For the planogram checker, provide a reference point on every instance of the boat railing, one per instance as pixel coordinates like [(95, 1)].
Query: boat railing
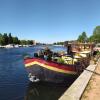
[(79, 65)]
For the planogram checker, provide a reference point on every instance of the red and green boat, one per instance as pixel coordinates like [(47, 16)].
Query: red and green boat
[(49, 71)]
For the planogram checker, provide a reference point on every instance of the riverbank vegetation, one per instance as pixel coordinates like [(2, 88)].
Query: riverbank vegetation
[(83, 38), (94, 38), (6, 39)]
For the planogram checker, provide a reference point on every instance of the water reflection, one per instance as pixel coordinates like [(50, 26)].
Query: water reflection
[(14, 80), (45, 91)]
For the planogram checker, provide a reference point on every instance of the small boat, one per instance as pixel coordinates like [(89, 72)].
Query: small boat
[(49, 70)]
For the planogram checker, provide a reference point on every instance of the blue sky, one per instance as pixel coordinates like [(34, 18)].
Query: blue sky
[(49, 20)]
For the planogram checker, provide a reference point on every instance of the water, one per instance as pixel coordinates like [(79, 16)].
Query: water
[(14, 83)]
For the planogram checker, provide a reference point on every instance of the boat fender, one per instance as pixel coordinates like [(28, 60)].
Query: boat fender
[(33, 78)]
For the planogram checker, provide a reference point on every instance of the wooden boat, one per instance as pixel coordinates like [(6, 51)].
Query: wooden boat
[(49, 71)]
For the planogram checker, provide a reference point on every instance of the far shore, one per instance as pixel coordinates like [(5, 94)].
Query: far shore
[(15, 46)]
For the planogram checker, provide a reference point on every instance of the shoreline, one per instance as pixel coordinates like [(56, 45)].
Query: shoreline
[(16, 46), (92, 91), (76, 90)]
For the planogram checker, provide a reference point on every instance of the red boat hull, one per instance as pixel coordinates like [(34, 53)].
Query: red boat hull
[(49, 71)]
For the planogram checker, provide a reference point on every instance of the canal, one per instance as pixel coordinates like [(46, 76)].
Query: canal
[(14, 83)]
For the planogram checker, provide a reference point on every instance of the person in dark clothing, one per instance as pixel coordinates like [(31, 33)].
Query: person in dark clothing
[(48, 54)]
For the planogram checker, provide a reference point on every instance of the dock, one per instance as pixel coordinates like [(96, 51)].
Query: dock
[(92, 91), (78, 90)]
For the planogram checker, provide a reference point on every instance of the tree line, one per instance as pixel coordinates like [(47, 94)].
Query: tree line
[(94, 38), (58, 43), (6, 39), (83, 38)]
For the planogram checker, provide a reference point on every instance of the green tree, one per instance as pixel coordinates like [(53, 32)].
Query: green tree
[(82, 38), (5, 37), (1, 39), (54, 43), (91, 39), (15, 40), (58, 43), (96, 35), (96, 30), (23, 42), (10, 39), (29, 42)]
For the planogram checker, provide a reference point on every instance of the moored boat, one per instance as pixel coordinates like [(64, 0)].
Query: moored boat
[(47, 66), (49, 71)]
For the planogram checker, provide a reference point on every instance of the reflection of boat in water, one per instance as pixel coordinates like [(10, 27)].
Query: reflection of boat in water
[(49, 71), (44, 91), (44, 67)]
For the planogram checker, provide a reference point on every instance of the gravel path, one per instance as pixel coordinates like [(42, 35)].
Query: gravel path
[(92, 91)]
